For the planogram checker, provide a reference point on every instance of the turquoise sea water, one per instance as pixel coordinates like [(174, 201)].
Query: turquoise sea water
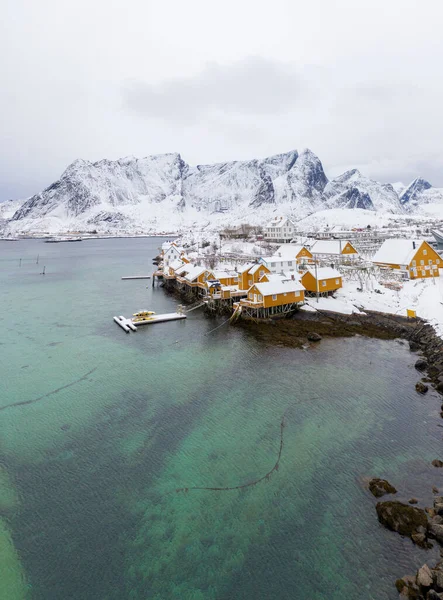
[(109, 425)]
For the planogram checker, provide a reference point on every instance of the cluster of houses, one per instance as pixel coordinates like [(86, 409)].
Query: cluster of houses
[(270, 286), (279, 283)]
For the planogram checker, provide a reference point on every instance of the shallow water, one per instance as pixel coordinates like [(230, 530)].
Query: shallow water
[(92, 469)]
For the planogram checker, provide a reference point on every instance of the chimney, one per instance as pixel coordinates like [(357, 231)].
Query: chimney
[(293, 277), (413, 245)]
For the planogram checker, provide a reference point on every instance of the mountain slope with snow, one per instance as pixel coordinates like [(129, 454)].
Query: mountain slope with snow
[(163, 193)]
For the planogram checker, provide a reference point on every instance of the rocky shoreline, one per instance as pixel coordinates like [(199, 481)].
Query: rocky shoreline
[(424, 526)]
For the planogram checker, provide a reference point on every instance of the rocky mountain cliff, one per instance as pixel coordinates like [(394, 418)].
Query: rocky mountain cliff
[(163, 193)]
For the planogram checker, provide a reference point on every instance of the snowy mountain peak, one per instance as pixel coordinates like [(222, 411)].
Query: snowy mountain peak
[(414, 189)]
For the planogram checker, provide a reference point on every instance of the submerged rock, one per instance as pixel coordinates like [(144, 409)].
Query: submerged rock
[(404, 519), (313, 337), (421, 364), (421, 387), (437, 463), (380, 487)]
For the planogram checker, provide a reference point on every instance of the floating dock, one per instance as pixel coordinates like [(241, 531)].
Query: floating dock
[(137, 277), (129, 325)]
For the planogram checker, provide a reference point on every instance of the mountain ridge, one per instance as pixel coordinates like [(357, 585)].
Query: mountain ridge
[(152, 192)]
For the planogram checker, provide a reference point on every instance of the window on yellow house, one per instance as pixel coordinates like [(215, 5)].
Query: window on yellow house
[(337, 281), (323, 283), (425, 252), (274, 296), (423, 273)]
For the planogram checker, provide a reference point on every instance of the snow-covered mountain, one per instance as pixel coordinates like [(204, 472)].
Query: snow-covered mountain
[(163, 193)]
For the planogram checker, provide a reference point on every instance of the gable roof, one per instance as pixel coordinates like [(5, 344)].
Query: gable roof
[(195, 272), (218, 274), (278, 287), (183, 269), (397, 251), (176, 264), (245, 267), (329, 246), (280, 222), (289, 251), (255, 268), (325, 273)]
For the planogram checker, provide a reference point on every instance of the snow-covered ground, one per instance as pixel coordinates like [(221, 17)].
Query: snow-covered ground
[(425, 296)]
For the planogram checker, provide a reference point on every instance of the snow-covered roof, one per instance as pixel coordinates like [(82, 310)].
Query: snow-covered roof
[(183, 269), (224, 274), (288, 251), (176, 264), (278, 287), (329, 246), (245, 267), (397, 251), (279, 222), (255, 268), (194, 272), (325, 273)]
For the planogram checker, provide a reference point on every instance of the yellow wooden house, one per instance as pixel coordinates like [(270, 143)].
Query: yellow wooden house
[(272, 298), (323, 280), (416, 258), (250, 274)]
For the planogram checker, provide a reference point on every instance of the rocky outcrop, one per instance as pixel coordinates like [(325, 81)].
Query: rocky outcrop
[(381, 487), (426, 584), (406, 520)]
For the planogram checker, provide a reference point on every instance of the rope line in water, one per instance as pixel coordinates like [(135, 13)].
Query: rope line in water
[(250, 483), (63, 387)]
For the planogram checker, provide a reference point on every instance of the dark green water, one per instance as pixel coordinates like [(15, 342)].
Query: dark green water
[(88, 473)]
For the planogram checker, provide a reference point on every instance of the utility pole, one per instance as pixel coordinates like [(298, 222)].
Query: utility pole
[(316, 277)]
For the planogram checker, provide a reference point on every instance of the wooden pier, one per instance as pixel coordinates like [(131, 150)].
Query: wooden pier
[(129, 325)]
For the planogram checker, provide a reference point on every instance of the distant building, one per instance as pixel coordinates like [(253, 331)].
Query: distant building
[(280, 230), (323, 280), (416, 258)]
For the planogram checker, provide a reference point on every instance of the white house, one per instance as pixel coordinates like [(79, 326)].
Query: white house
[(280, 230)]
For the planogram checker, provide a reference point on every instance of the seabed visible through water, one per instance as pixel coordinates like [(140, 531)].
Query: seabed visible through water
[(98, 431)]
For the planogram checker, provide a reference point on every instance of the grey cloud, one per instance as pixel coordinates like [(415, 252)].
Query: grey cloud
[(251, 86)]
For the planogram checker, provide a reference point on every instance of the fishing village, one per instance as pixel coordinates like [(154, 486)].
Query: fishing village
[(343, 271)]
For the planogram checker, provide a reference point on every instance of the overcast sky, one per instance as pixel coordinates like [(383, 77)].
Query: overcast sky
[(358, 82)]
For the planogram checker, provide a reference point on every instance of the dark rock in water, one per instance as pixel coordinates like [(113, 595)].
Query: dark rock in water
[(402, 518), (407, 588), (380, 487), (65, 427), (413, 501), (421, 364), (313, 337), (434, 489), (437, 463), (421, 387), (439, 387), (414, 347)]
